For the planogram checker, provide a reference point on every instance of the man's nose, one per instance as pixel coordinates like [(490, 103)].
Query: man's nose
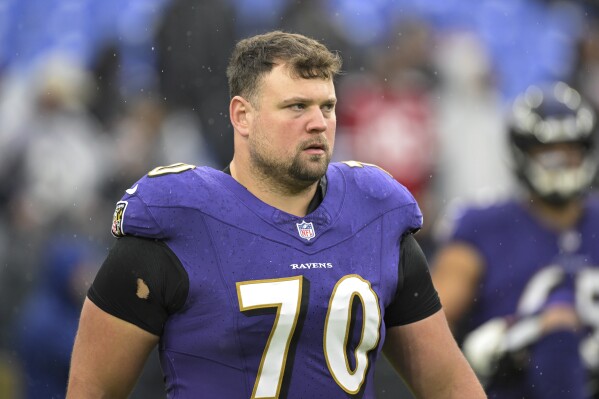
[(318, 121)]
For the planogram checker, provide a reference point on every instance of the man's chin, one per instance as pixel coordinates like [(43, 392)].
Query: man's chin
[(309, 169), (311, 173)]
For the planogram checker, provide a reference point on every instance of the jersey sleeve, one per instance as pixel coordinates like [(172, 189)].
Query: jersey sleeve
[(133, 215), (141, 281), (150, 206), (416, 297)]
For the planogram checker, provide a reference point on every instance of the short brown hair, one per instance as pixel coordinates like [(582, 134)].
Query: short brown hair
[(257, 55)]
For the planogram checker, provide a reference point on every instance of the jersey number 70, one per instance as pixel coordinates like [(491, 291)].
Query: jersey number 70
[(285, 294)]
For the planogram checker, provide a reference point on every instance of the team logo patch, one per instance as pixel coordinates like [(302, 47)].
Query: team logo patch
[(117, 219), (306, 230)]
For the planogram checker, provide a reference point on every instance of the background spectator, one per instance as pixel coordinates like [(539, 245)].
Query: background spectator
[(45, 330)]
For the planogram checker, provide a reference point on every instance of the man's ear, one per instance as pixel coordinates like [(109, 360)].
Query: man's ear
[(241, 114)]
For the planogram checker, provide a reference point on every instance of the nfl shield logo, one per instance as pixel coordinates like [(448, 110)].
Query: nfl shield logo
[(306, 230)]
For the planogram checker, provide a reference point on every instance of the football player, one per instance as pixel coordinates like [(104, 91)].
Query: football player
[(519, 278), (283, 276)]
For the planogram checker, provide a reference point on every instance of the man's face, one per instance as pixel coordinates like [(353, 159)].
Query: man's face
[(292, 135), (558, 156)]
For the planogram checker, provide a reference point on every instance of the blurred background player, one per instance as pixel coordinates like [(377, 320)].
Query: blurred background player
[(519, 278)]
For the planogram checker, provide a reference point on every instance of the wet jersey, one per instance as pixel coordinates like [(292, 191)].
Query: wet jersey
[(278, 305)]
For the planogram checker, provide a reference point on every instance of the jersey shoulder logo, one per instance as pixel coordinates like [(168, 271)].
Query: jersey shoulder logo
[(132, 190), (117, 219), (306, 230), (170, 169), (358, 164)]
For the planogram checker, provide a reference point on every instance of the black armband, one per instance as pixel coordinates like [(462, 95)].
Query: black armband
[(141, 281), (416, 297)]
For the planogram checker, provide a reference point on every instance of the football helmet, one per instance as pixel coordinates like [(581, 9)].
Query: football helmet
[(542, 119)]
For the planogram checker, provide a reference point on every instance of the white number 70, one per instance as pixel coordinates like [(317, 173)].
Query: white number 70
[(285, 294)]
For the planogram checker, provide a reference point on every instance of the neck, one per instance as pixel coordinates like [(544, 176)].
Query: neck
[(557, 217), (292, 200)]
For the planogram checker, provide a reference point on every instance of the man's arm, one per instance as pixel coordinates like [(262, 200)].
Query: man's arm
[(108, 355), (456, 271), (425, 354)]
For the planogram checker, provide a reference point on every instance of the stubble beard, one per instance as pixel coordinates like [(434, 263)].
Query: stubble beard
[(295, 176), (311, 170)]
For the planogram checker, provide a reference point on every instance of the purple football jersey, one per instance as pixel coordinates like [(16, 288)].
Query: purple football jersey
[(527, 265), (278, 305)]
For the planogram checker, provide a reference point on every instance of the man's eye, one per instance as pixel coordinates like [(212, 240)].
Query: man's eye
[(328, 107)]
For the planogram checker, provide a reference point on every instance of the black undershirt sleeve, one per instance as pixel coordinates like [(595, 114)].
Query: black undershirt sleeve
[(141, 281), (416, 297)]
